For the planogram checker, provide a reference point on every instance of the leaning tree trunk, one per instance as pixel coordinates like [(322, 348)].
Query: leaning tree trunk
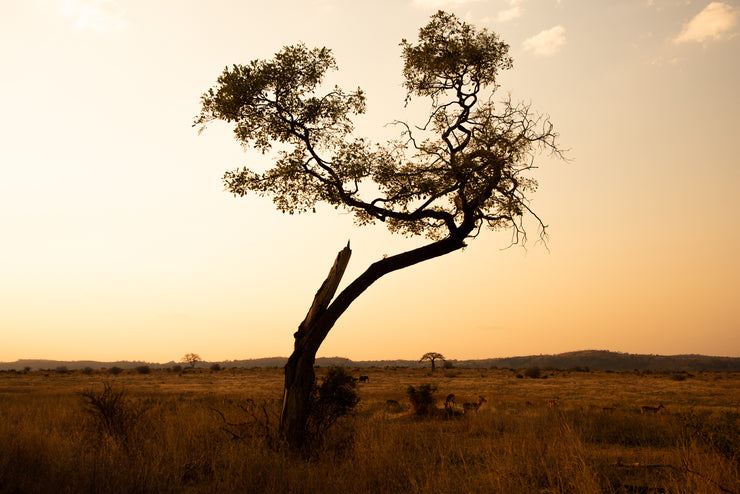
[(299, 373)]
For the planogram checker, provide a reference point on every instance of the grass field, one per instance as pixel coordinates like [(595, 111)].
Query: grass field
[(213, 431)]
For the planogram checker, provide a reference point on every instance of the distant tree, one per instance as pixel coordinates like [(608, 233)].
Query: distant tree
[(191, 358), (432, 357), (143, 369), (463, 170)]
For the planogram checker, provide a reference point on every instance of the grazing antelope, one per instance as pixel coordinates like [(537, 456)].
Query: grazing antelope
[(467, 407), (649, 409), (392, 404), (364, 379), (451, 409)]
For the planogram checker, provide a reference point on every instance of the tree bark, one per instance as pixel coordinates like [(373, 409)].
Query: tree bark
[(299, 373)]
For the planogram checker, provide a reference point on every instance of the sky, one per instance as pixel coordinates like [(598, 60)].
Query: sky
[(118, 241)]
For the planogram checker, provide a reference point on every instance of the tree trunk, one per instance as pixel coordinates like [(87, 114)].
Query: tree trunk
[(299, 373)]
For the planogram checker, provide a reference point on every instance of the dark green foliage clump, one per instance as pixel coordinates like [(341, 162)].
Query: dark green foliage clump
[(334, 398), (422, 398)]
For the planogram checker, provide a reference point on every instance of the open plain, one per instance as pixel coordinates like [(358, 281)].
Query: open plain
[(201, 430)]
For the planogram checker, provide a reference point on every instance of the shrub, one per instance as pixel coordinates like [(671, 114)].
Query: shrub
[(62, 369), (533, 372), (87, 370), (422, 400), (115, 370), (215, 367), (335, 397), (143, 369), (176, 368), (114, 413)]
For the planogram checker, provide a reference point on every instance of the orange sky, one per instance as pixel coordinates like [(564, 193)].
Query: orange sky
[(118, 241)]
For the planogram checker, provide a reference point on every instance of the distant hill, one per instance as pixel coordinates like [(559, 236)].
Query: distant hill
[(584, 359), (606, 360)]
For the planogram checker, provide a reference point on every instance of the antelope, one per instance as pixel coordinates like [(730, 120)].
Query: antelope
[(451, 409), (473, 406), (364, 379), (392, 404), (649, 409)]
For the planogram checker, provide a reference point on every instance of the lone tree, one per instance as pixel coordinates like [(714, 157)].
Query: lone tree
[(431, 357), (464, 169), (191, 358)]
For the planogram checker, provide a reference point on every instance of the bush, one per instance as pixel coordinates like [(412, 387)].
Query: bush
[(422, 399), (87, 370), (62, 369), (533, 372), (215, 367), (335, 397), (115, 370), (114, 413), (176, 368), (143, 369)]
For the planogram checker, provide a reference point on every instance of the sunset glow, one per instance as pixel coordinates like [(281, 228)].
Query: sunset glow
[(118, 241)]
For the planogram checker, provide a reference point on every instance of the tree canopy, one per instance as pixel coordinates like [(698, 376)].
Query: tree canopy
[(462, 170), (191, 358)]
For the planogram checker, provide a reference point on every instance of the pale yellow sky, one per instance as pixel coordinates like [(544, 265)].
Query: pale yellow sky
[(118, 241)]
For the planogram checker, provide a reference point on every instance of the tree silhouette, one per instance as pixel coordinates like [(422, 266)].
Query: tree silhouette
[(464, 169), (191, 358), (431, 357)]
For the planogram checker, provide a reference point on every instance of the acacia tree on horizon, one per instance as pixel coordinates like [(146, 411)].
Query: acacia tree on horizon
[(191, 359), (432, 357), (464, 169)]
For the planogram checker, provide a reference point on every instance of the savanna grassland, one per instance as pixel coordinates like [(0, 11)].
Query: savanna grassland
[(198, 430)]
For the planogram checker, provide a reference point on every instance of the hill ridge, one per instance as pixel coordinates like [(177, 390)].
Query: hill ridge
[(578, 359)]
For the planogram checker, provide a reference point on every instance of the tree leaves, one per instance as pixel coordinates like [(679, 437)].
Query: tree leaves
[(462, 170)]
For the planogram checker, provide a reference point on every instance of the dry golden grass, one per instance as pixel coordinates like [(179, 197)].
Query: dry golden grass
[(594, 440)]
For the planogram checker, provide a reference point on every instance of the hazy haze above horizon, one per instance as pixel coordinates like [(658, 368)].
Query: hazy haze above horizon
[(119, 243)]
